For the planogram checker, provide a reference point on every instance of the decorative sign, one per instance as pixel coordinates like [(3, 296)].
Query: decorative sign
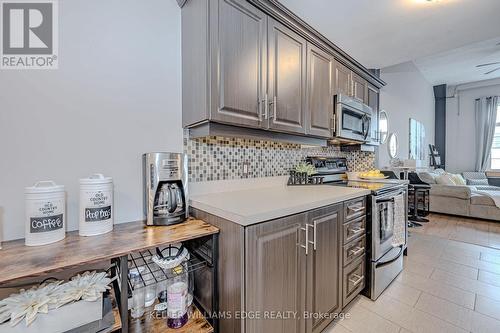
[(97, 214), (46, 223)]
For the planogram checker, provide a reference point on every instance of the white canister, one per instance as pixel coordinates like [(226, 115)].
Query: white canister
[(96, 205), (45, 213)]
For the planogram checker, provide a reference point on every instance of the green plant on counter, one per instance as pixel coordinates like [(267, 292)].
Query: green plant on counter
[(305, 168)]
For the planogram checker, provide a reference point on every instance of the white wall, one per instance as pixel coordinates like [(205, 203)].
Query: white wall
[(406, 95), (115, 96), (460, 124)]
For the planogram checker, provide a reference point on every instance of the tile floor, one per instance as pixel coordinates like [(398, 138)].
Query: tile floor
[(449, 284), (463, 229)]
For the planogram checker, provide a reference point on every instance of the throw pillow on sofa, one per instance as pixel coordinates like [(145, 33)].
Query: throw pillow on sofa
[(439, 171), (445, 179), (477, 181), (450, 179), (428, 177), (457, 179)]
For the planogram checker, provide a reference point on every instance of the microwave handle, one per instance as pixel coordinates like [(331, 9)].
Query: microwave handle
[(366, 125)]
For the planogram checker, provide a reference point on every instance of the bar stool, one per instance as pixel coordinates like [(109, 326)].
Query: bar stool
[(392, 175), (418, 188)]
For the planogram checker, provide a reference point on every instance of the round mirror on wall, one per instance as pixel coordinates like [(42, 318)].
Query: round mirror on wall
[(392, 145), (383, 126)]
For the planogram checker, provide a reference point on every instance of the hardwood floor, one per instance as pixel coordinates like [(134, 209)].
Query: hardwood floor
[(462, 229), (449, 284)]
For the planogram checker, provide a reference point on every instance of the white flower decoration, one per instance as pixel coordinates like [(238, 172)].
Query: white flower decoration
[(41, 299)]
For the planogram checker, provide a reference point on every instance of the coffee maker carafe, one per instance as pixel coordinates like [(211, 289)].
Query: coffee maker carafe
[(165, 188)]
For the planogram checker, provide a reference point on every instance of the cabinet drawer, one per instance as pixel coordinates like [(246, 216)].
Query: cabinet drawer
[(354, 228), (354, 208), (354, 250), (353, 280)]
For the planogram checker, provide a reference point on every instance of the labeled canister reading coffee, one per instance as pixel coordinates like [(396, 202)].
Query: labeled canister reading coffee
[(45, 213)]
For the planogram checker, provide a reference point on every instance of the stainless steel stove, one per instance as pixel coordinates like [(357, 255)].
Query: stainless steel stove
[(385, 261), (333, 169)]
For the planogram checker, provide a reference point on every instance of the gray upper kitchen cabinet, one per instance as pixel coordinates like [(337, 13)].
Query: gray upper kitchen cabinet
[(276, 274), (242, 48), (319, 92), (287, 79), (324, 285), (343, 79), (349, 83), (251, 69), (373, 100), (359, 86)]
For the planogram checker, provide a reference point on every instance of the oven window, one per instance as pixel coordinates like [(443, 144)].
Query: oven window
[(351, 121), (386, 218)]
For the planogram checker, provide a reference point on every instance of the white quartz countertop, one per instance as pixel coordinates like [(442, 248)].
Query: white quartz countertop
[(251, 206)]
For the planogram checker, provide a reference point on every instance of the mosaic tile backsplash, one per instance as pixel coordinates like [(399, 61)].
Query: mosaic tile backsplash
[(219, 158)]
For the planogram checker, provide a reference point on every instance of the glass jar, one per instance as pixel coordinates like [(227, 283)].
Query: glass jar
[(150, 289), (138, 295)]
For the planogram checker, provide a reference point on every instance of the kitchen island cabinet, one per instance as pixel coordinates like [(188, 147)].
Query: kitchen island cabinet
[(275, 271), (323, 266), (278, 271)]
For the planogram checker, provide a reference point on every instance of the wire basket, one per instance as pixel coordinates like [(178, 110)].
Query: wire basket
[(149, 272)]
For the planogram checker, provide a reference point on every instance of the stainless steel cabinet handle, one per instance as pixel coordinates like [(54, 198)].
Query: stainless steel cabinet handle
[(313, 242), (355, 209), (266, 111), (306, 246), (273, 103), (358, 250), (315, 229), (357, 279), (357, 231), (152, 174), (274, 106), (259, 107)]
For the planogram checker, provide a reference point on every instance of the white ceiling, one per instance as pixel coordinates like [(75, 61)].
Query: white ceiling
[(381, 33), (459, 65)]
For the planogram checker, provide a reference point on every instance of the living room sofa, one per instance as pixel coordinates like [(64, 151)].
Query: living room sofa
[(462, 200)]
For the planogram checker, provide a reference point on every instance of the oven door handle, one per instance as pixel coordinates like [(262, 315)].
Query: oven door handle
[(392, 196), (386, 263)]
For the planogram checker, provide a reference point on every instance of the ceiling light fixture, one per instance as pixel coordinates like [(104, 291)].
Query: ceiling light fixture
[(426, 1)]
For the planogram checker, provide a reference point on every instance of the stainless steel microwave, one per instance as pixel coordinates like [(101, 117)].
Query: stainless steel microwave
[(353, 119)]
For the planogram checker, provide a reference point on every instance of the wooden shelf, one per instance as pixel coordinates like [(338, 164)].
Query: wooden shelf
[(19, 261), (147, 323)]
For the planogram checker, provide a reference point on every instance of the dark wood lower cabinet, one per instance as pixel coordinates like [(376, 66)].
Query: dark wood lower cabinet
[(323, 267), (286, 275), (276, 275)]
